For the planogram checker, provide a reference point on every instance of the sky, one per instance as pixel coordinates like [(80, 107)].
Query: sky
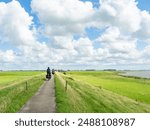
[(74, 34)]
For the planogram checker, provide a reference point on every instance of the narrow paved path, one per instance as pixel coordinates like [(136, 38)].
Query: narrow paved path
[(43, 101)]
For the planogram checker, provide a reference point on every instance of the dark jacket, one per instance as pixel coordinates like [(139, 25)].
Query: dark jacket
[(48, 71)]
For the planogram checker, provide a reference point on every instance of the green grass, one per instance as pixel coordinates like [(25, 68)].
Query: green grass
[(10, 77), (14, 93), (61, 98), (101, 91), (135, 88)]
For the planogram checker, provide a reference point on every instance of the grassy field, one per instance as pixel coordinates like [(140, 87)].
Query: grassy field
[(17, 87), (101, 91), (7, 78)]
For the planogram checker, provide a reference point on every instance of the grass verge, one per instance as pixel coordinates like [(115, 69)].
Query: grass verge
[(14, 97)]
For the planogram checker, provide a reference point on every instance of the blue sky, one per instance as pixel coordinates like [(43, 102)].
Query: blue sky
[(97, 35), (144, 4)]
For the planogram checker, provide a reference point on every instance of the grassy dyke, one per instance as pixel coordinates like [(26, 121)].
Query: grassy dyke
[(84, 97), (12, 98), (132, 87), (61, 96)]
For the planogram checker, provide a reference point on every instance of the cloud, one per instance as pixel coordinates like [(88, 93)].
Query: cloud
[(15, 23), (84, 47), (121, 13), (16, 29), (7, 56), (143, 33), (125, 24), (125, 15), (62, 42), (63, 17), (116, 42), (119, 49)]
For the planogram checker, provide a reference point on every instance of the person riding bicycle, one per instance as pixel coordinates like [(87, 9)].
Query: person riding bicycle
[(48, 71), (53, 71)]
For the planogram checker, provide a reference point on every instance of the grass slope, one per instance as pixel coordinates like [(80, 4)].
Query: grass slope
[(134, 88), (83, 95), (14, 96)]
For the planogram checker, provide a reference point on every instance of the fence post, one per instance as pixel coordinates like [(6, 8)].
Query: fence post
[(26, 85), (66, 86)]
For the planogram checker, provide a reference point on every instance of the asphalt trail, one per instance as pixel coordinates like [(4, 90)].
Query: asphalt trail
[(43, 101)]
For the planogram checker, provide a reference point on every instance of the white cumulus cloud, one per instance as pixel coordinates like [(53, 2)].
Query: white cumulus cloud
[(63, 17), (53, 41)]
